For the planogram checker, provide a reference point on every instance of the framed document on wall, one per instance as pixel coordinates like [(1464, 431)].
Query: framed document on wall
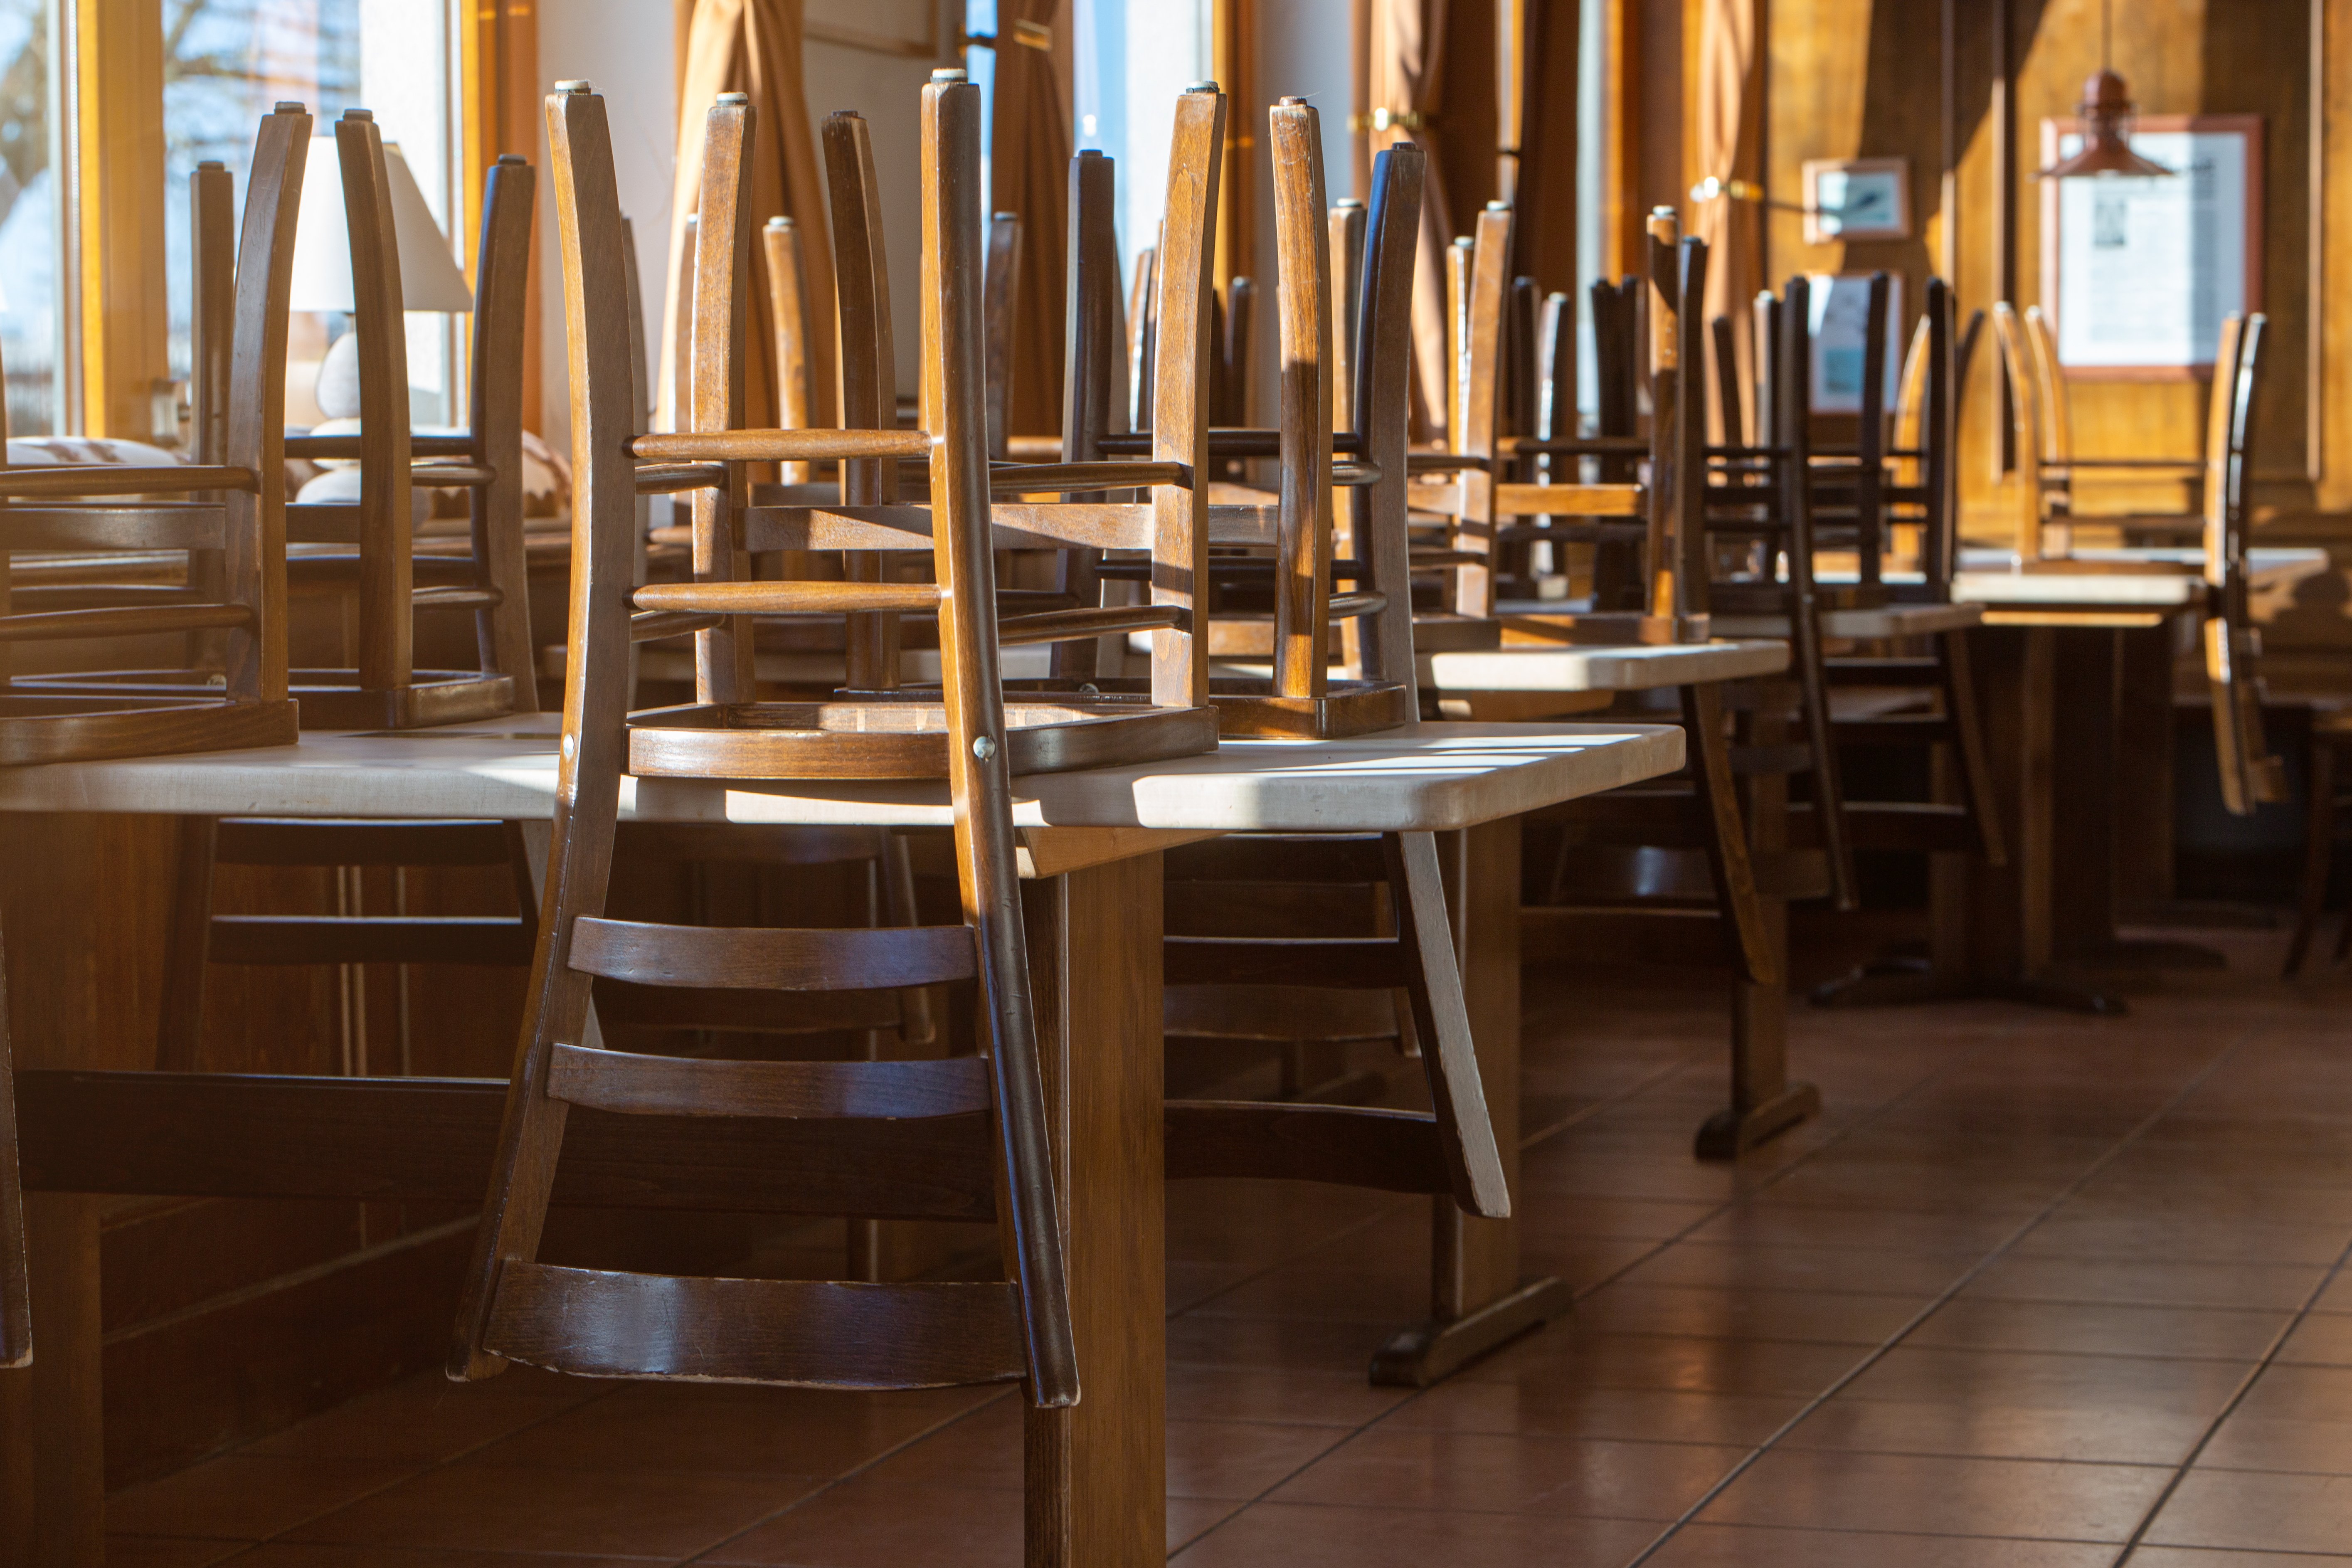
[(2137, 273)]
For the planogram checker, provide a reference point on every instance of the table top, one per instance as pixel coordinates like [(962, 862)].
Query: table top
[(1567, 666), (1879, 621), (1431, 777), (1992, 576)]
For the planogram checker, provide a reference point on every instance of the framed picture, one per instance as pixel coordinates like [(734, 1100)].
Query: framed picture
[(2136, 274), (1841, 311), (1857, 198)]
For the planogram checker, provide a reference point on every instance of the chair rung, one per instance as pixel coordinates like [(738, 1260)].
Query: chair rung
[(1346, 964), (765, 958), (456, 598), (1355, 472), (145, 620), (1917, 826), (51, 597), (1570, 500), (668, 479), (1352, 606), (813, 446), (698, 1085), (652, 626), (451, 475), (121, 525), (801, 1333), (758, 598), (302, 841), (370, 939), (1387, 1151), (125, 480), (1038, 478), (1057, 625), (682, 1007)]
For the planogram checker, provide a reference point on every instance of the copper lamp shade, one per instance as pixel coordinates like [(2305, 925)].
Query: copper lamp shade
[(2107, 112)]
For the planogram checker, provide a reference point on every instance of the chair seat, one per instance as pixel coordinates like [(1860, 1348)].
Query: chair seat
[(61, 724), (887, 737)]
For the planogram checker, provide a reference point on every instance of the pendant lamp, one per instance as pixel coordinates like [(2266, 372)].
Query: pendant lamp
[(2107, 112)]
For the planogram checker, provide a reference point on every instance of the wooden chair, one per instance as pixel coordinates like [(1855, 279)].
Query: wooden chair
[(233, 607), (1230, 970), (2029, 356), (2251, 775), (386, 691), (1279, 602), (1949, 728), (393, 583), (823, 1335)]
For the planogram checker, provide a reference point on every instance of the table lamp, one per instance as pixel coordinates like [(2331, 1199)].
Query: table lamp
[(429, 276)]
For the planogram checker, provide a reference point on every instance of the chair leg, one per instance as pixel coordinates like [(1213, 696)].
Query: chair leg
[(1442, 1019), (1828, 789), (2319, 843), (1975, 773), (1727, 852), (187, 948)]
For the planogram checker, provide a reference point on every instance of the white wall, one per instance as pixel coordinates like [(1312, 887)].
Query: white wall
[(626, 50)]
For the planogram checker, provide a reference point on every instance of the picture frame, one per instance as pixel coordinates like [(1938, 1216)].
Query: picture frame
[(2138, 274), (1857, 198)]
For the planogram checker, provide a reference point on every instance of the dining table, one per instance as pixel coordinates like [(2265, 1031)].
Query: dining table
[(2075, 681), (94, 1125)]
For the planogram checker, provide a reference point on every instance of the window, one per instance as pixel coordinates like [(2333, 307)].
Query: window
[(31, 334), (227, 62)]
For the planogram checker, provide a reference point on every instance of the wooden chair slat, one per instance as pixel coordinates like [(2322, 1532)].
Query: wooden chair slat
[(768, 958), (689, 1086)]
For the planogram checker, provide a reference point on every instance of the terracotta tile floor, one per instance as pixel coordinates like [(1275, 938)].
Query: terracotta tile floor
[(2037, 1291)]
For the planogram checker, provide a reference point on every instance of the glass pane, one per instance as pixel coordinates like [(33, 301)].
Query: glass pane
[(29, 337), (229, 62)]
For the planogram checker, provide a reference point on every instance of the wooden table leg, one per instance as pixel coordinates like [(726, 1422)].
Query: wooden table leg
[(1479, 1299), (1097, 1473), (1764, 1103), (2008, 931), (52, 1437)]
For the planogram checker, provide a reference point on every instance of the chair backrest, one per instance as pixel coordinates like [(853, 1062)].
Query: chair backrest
[(2049, 389), (2229, 431), (1002, 311), (2026, 426), (494, 422), (870, 381), (1381, 648), (252, 434), (788, 314), (1925, 429)]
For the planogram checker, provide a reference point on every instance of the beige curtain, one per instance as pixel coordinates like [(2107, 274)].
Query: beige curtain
[(1029, 173), (1731, 147), (754, 47), (1407, 76)]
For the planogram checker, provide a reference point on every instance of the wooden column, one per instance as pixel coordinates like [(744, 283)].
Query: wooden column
[(1097, 1472)]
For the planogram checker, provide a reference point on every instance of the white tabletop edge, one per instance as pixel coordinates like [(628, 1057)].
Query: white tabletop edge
[(1434, 777), (1567, 666)]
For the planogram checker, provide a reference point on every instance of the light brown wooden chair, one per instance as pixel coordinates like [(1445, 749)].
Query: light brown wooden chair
[(811, 1333), (487, 461), (392, 581), (2250, 774), (1280, 602), (234, 692), (1268, 934)]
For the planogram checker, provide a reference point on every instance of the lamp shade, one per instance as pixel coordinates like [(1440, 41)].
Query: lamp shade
[(429, 278)]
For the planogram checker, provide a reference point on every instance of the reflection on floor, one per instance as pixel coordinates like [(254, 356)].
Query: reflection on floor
[(2036, 1288)]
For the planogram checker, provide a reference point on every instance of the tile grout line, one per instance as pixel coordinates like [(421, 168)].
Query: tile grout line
[(2238, 1396), (1974, 1271), (1715, 1214)]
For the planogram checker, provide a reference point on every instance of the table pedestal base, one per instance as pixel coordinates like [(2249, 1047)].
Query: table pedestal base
[(1731, 1132), (1913, 982), (1430, 1352)]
